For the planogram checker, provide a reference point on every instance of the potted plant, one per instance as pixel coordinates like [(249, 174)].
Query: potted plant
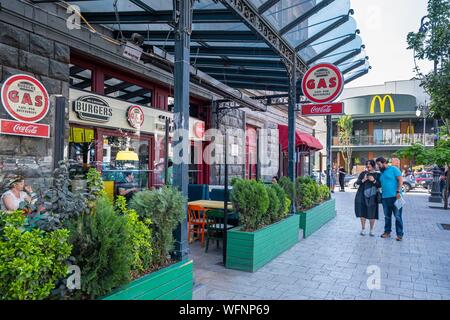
[(266, 228), (314, 205)]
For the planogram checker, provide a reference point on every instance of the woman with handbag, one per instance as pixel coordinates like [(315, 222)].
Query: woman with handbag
[(368, 197)]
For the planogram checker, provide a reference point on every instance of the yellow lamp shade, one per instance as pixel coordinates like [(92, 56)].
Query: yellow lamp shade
[(127, 156)]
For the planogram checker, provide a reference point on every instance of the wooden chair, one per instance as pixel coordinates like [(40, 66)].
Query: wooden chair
[(196, 223), (214, 226)]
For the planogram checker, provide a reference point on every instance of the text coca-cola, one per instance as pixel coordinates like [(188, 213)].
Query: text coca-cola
[(29, 129)]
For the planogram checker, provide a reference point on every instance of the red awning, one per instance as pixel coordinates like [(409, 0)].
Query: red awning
[(301, 139)]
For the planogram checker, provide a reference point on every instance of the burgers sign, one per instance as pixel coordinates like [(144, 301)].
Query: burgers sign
[(26, 100)]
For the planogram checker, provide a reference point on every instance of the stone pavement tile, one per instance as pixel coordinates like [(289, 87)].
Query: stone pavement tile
[(216, 294), (439, 290), (285, 279), (349, 283), (339, 296), (400, 291), (309, 284), (289, 288), (445, 284), (422, 295), (314, 293), (358, 293), (375, 295), (324, 279), (340, 275), (292, 296), (246, 297), (235, 287), (269, 293)]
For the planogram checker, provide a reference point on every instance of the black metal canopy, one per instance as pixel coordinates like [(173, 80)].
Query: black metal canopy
[(245, 44)]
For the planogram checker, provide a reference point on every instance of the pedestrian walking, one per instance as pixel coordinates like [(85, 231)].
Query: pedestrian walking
[(367, 197), (391, 185), (333, 178), (342, 173)]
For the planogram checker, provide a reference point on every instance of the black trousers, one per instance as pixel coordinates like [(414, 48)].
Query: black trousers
[(341, 183)]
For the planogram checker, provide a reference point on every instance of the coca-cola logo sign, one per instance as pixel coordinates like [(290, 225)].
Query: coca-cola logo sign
[(322, 83), (25, 98), (17, 128), (135, 116), (322, 109)]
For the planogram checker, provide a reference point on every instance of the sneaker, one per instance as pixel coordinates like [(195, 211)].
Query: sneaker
[(399, 238), (385, 235), (372, 234), (363, 232)]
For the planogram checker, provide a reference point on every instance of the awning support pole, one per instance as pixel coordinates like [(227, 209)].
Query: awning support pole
[(183, 29), (291, 125)]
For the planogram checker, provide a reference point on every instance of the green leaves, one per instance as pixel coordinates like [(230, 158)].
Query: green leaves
[(102, 248), (30, 261), (166, 208), (251, 200), (432, 43)]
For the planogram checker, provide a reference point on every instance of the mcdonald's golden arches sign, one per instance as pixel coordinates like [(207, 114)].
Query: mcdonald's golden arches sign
[(382, 103)]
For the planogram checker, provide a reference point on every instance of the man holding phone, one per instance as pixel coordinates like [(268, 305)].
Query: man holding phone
[(391, 186)]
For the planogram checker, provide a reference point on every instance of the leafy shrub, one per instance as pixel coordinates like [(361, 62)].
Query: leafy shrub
[(306, 194), (30, 261), (324, 192), (59, 204), (273, 211), (287, 186), (251, 200), (165, 207), (102, 249), (140, 234), (95, 185)]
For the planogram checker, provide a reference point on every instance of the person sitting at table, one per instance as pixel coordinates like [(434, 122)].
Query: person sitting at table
[(274, 180), (17, 193), (129, 187)]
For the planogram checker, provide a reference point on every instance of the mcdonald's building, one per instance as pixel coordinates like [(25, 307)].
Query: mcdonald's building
[(385, 119)]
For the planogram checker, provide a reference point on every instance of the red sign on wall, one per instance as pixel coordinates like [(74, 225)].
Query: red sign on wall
[(323, 109), (25, 98), (17, 128)]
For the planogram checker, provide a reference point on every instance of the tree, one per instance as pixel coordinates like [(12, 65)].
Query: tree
[(345, 127), (439, 155), (432, 43)]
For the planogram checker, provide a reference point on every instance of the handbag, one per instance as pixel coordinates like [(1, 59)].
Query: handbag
[(379, 197)]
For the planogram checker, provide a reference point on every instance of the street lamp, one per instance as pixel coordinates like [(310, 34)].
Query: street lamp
[(424, 110)]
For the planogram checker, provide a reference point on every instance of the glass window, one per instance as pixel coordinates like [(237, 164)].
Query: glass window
[(80, 78), (127, 91)]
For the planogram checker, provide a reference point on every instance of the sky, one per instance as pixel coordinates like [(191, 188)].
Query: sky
[(384, 25)]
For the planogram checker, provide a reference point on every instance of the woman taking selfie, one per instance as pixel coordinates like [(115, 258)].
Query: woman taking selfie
[(366, 200)]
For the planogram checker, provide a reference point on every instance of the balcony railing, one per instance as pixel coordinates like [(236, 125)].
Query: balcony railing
[(397, 140)]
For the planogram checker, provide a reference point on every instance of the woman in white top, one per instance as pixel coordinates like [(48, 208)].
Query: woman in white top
[(12, 198)]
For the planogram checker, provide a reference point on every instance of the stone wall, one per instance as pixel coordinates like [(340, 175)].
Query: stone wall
[(24, 52)]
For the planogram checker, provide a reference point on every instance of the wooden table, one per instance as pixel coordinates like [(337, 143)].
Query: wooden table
[(210, 204)]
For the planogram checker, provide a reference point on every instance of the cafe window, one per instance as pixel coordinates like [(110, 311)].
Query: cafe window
[(127, 91), (80, 78)]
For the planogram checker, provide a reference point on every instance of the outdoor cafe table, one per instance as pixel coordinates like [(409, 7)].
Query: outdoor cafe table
[(210, 204)]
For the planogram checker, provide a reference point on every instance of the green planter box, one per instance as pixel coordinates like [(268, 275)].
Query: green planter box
[(249, 251), (313, 219), (171, 283)]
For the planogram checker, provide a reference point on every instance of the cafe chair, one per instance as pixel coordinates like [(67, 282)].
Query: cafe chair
[(196, 223), (214, 226)]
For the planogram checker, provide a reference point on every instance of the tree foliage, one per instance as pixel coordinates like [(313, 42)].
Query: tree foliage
[(432, 43), (345, 127)]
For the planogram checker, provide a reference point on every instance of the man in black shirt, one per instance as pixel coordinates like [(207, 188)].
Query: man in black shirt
[(342, 179), (128, 187)]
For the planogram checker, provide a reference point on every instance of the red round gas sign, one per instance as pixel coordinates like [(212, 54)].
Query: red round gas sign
[(322, 83), (25, 98)]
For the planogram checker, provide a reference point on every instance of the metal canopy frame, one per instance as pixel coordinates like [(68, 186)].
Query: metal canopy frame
[(232, 40)]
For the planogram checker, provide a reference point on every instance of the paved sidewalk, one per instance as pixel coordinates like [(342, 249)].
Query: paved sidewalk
[(333, 262)]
